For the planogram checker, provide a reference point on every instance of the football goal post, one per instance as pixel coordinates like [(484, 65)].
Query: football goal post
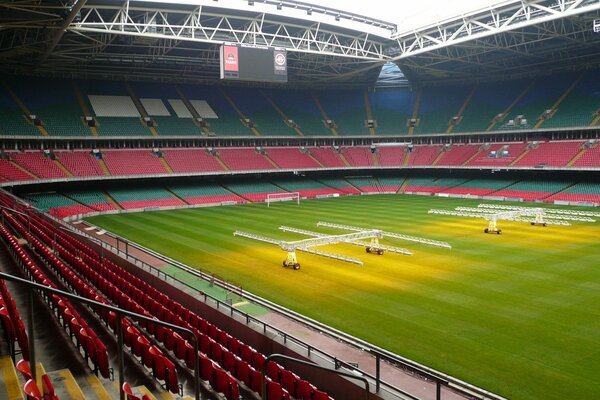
[(287, 196)]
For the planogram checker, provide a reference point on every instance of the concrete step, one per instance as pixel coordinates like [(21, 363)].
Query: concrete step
[(10, 385)]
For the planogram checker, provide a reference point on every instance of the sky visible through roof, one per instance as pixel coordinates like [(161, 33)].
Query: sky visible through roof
[(407, 14)]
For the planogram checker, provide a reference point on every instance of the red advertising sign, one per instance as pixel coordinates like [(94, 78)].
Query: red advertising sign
[(230, 59)]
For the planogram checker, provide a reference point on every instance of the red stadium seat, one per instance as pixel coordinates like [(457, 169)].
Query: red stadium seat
[(289, 380), (304, 390), (23, 367), (48, 388), (32, 392)]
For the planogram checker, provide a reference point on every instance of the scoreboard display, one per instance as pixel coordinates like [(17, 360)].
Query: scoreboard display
[(253, 64)]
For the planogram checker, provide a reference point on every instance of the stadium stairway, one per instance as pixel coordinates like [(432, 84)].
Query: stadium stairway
[(22, 106), (25, 171), (508, 109), (84, 108), (165, 164), (541, 118), (243, 117), (369, 113), (308, 153), (191, 109), (577, 156), (462, 108), (140, 107), (66, 386), (520, 156), (324, 114), (281, 113), (415, 113)]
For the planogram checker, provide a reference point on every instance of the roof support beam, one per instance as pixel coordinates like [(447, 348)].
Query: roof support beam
[(58, 35)]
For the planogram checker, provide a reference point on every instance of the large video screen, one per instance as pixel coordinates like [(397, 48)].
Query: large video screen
[(253, 64)]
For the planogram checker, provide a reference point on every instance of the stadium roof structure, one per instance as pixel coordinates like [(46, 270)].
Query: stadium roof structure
[(180, 41)]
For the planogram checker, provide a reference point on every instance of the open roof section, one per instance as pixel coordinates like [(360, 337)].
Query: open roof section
[(179, 41), (510, 39)]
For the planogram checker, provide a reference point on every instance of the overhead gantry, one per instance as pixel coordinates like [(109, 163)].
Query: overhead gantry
[(533, 215), (357, 237)]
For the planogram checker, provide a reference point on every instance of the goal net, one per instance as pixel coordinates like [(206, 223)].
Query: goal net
[(277, 197)]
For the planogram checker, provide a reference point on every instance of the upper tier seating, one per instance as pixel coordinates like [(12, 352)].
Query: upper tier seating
[(9, 172), (327, 156), (347, 109), (438, 106), (228, 122), (191, 160), (253, 104), (591, 158), (458, 154), (556, 154), (424, 155), (359, 156), (170, 124), (391, 109), (489, 100), (300, 107), (498, 154), (70, 165), (286, 157), (54, 102), (13, 120), (244, 159), (80, 163), (540, 97), (118, 115), (132, 162), (391, 156), (580, 106), (37, 164)]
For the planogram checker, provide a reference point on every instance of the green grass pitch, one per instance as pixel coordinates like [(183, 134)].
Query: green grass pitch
[(517, 314)]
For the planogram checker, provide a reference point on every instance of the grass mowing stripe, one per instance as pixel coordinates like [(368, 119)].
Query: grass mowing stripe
[(514, 313)]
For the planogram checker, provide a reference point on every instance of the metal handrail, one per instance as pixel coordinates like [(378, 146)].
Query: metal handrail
[(310, 364), (380, 354), (120, 312)]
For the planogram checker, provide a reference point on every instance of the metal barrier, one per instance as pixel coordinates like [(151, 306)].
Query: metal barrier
[(439, 379), (120, 313)]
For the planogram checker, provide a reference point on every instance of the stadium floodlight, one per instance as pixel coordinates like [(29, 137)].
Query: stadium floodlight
[(371, 247), (355, 237), (429, 242), (533, 215), (546, 210), (333, 256)]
